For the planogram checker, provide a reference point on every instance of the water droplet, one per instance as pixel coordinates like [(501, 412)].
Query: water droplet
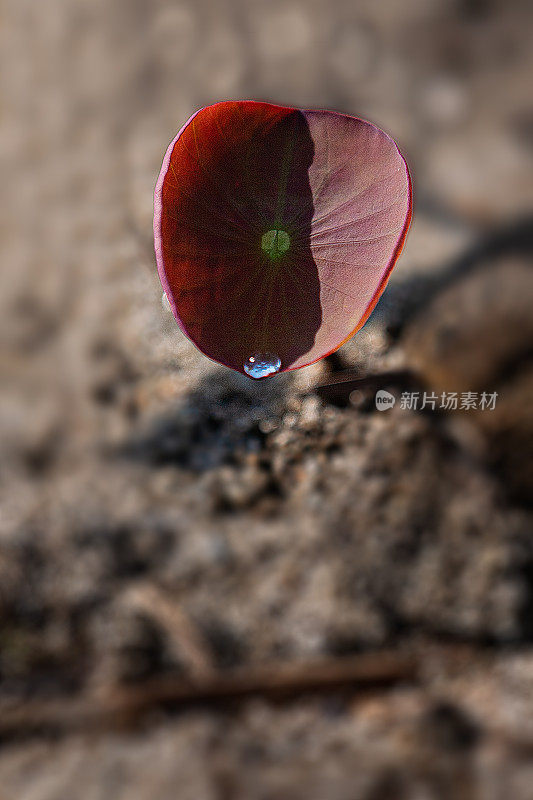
[(261, 365), (165, 302)]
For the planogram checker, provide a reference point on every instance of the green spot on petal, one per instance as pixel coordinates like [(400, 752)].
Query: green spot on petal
[(275, 243)]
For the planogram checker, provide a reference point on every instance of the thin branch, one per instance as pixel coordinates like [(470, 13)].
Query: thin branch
[(124, 707)]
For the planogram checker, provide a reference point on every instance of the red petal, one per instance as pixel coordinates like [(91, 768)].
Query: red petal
[(335, 186)]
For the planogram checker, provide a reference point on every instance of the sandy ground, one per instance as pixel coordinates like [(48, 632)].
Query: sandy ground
[(165, 519)]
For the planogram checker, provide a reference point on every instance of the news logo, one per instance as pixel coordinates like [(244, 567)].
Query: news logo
[(384, 400)]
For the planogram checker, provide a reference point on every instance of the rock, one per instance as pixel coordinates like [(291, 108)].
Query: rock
[(475, 331)]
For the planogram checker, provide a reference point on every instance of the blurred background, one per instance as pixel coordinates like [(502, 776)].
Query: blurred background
[(179, 543)]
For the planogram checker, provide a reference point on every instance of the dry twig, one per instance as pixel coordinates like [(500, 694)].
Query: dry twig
[(127, 706)]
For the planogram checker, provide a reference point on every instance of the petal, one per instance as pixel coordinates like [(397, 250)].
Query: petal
[(276, 229)]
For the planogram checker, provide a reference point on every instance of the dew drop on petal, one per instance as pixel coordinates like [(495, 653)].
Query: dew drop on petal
[(261, 365), (165, 302)]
